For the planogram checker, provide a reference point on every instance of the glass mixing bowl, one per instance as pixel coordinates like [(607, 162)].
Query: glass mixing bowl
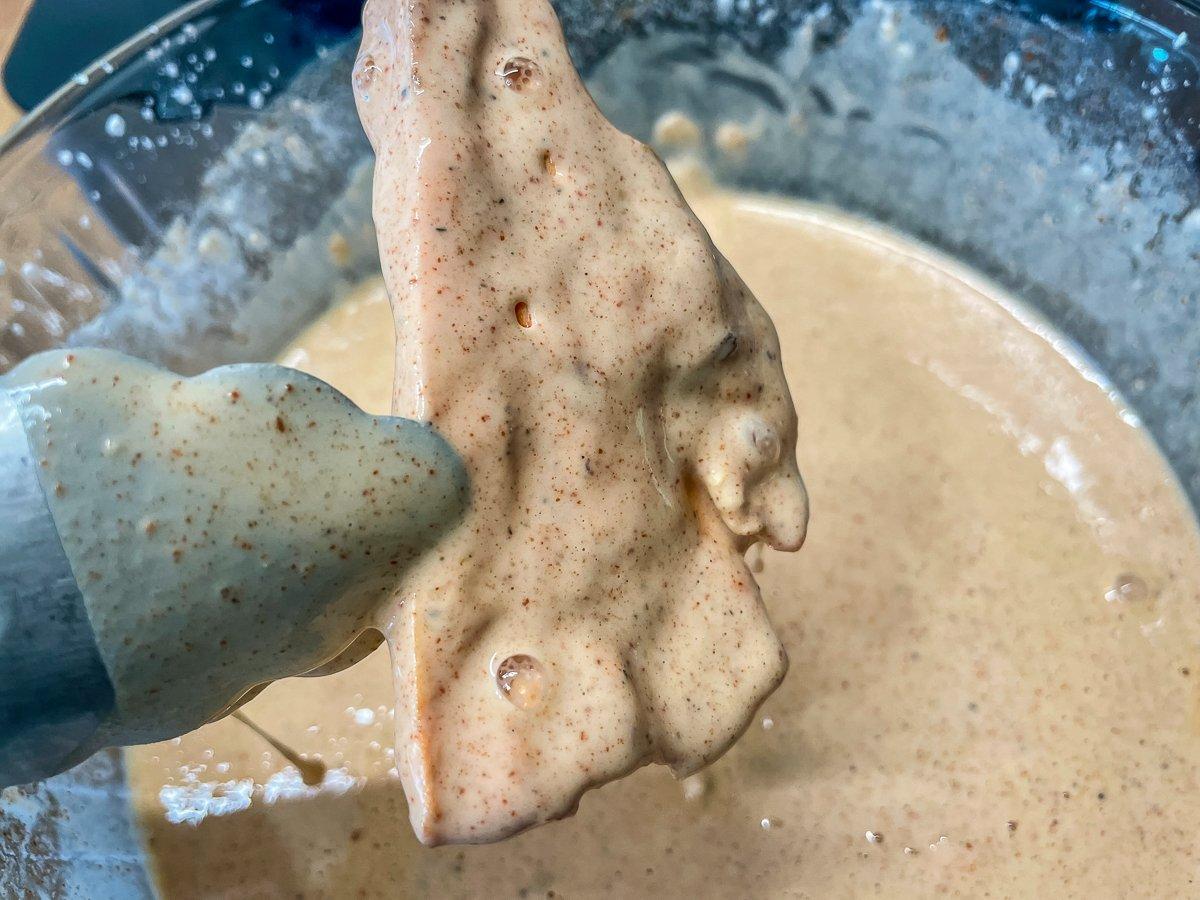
[(203, 192)]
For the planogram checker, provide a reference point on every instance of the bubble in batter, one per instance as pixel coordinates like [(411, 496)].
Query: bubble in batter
[(365, 72), (1127, 588), (521, 681), (765, 441), (520, 74)]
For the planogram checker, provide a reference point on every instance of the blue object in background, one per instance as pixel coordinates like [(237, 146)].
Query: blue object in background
[(60, 37)]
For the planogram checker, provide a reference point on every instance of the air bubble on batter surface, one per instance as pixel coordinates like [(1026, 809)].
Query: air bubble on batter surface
[(1127, 588), (521, 681), (520, 73), (366, 71)]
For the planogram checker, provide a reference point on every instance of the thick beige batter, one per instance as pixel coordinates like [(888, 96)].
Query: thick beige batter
[(992, 631), (617, 398)]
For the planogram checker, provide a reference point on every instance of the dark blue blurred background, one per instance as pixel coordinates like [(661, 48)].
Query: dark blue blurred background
[(60, 37)]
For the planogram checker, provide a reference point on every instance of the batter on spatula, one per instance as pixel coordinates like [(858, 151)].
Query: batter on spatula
[(617, 396)]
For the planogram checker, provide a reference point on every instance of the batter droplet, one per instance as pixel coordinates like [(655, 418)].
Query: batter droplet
[(521, 681), (366, 70), (520, 74)]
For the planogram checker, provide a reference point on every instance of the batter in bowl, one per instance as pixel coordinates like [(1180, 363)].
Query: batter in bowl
[(992, 632)]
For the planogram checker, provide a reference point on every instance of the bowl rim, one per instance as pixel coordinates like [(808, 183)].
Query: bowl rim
[(97, 73), (89, 78)]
